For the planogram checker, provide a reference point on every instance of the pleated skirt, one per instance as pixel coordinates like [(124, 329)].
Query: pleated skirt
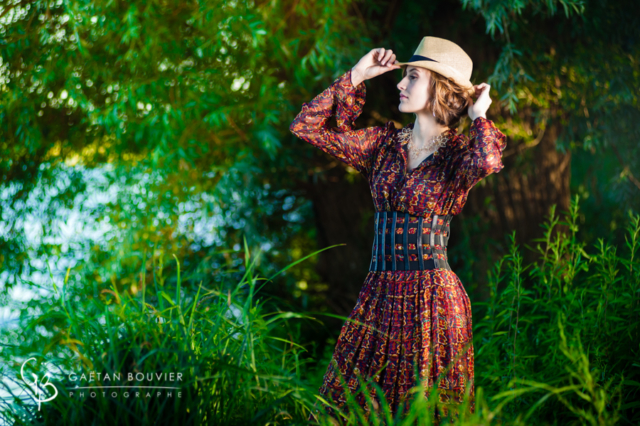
[(408, 328)]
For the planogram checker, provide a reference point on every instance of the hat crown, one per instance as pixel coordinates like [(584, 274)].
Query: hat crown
[(447, 53), (444, 57)]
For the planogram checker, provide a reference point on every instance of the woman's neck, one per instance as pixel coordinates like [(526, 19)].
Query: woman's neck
[(426, 128)]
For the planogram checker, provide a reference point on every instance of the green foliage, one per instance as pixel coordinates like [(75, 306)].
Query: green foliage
[(183, 102), (237, 360), (594, 297), (557, 343), (578, 70), (510, 72), (183, 109), (179, 112), (528, 369)]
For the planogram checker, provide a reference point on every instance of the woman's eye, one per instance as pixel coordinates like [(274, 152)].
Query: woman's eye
[(412, 78)]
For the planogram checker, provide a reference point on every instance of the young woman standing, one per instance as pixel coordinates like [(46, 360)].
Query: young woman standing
[(412, 322)]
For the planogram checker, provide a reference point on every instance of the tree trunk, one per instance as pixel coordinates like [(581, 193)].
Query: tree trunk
[(344, 214), (532, 180)]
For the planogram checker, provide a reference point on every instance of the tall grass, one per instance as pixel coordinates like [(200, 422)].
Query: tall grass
[(563, 331), (238, 362), (557, 342)]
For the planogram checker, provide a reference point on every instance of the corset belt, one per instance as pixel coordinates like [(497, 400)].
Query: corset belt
[(418, 244)]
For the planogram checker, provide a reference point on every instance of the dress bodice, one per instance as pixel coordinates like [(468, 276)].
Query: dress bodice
[(440, 184)]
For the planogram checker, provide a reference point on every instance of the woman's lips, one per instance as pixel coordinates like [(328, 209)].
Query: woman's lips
[(403, 97)]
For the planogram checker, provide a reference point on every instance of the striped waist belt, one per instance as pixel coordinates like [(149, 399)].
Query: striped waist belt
[(404, 242)]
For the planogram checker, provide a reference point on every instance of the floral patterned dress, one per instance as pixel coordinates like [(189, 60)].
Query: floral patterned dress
[(407, 326)]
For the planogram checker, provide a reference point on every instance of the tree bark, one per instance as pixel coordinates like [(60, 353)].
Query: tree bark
[(344, 214), (524, 191)]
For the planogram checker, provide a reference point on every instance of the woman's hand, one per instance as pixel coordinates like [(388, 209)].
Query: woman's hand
[(481, 105), (376, 62)]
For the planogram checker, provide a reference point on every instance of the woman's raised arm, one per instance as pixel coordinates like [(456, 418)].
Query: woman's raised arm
[(345, 102)]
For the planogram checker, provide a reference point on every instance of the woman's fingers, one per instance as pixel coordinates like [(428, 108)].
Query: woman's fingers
[(485, 91), (385, 52), (378, 61), (481, 88), (481, 105), (384, 56), (387, 57)]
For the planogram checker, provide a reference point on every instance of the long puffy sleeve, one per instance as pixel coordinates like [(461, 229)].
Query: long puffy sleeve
[(353, 147), (481, 156)]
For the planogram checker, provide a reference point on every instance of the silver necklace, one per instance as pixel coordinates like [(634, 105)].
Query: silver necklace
[(439, 141)]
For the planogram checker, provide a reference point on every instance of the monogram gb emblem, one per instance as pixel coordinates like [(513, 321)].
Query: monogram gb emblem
[(38, 385)]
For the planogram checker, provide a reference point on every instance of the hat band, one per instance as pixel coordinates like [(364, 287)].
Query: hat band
[(416, 58)]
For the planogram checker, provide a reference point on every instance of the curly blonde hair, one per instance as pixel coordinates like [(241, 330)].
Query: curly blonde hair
[(448, 101)]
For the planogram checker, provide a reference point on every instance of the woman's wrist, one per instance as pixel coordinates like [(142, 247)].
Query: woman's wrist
[(484, 115), (356, 79)]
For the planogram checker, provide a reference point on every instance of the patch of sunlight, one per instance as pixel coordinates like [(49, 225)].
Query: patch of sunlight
[(88, 152), (237, 83)]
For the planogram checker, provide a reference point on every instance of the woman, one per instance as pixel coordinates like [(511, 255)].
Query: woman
[(413, 313)]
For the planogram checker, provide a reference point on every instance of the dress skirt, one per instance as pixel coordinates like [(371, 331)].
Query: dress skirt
[(407, 328)]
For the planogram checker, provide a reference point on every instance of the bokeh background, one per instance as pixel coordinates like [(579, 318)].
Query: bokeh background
[(138, 137)]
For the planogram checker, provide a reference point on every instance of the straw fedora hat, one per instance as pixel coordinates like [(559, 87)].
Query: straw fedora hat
[(445, 58)]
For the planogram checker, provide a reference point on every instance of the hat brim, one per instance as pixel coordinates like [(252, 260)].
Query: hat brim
[(444, 70)]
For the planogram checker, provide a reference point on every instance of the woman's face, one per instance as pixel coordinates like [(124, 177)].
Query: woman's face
[(413, 89)]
